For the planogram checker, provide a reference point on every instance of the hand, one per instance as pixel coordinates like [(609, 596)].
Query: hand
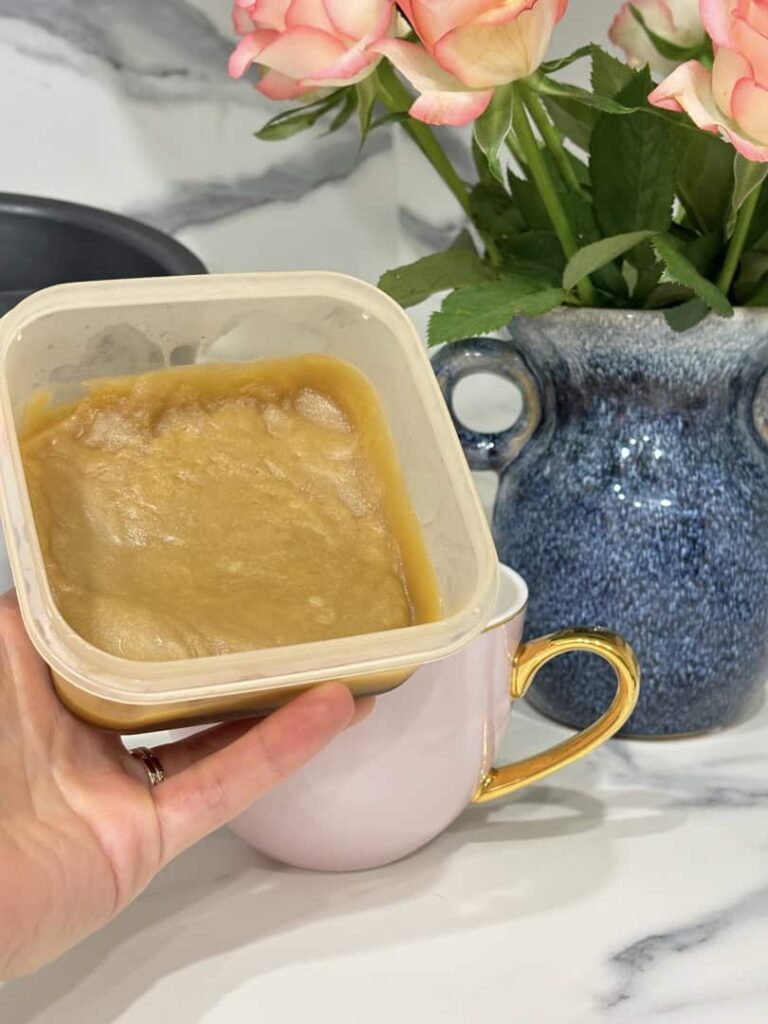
[(81, 832)]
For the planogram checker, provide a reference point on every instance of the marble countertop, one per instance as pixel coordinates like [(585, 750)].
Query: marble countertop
[(631, 887)]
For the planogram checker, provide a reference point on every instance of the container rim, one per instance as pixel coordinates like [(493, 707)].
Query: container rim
[(126, 681)]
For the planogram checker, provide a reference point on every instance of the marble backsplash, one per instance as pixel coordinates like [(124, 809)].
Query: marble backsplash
[(128, 106)]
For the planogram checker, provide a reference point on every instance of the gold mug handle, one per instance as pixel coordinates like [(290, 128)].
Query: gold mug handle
[(530, 658)]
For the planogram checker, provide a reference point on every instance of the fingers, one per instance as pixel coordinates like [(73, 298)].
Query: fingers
[(26, 693), (225, 769), (179, 755)]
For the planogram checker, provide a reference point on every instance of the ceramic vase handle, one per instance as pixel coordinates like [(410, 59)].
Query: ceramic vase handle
[(760, 409), (532, 657), (453, 363)]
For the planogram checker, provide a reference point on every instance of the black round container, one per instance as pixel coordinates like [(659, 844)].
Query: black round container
[(45, 242)]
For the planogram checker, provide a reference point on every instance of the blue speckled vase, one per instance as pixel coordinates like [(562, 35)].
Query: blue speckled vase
[(634, 495)]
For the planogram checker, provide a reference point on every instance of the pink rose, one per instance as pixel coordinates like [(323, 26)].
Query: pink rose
[(675, 21), (470, 47), (303, 45), (732, 99)]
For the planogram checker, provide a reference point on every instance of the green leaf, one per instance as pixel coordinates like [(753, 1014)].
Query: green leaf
[(396, 117), (580, 169), (348, 107), (463, 242), (489, 307), (679, 268), (706, 253), (649, 271), (592, 257), (551, 90), (528, 203), (551, 67), (690, 314), (299, 119), (534, 254), (605, 104), (610, 76), (753, 271), (634, 167), (574, 120), (492, 128), (667, 49), (493, 211), (760, 298), (705, 180), (366, 100), (748, 176), (481, 164), (440, 272), (668, 294)]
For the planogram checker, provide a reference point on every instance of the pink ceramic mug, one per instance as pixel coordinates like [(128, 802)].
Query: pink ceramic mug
[(394, 782)]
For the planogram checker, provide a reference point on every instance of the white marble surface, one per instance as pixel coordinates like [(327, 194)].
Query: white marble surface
[(633, 887)]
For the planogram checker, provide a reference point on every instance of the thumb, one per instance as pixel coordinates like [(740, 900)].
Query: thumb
[(216, 787)]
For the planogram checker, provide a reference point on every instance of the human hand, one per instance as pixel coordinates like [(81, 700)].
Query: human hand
[(81, 831)]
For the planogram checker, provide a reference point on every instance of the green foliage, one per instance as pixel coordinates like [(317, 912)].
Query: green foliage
[(366, 101), (492, 129), (300, 119), (634, 164), (488, 307), (681, 270), (748, 178), (652, 212), (610, 76), (443, 271), (705, 181), (598, 254)]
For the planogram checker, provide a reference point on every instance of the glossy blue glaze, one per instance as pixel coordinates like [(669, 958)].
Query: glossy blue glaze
[(634, 495)]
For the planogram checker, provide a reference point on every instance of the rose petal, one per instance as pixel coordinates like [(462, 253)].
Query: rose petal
[(359, 19), (242, 22), (758, 16), (268, 13), (749, 105), (302, 52), (689, 89), (248, 51), (500, 15), (753, 46), (658, 17), (354, 66), (629, 36), (687, 19), (451, 108), (717, 18), (433, 18), (309, 14), (483, 56), (279, 87), (421, 70), (729, 68)]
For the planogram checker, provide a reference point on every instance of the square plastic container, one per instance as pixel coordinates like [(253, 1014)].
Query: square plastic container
[(63, 336)]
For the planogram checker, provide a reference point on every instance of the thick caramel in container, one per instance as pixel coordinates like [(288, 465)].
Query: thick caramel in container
[(219, 508)]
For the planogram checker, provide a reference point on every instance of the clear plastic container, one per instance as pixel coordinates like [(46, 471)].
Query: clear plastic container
[(63, 336)]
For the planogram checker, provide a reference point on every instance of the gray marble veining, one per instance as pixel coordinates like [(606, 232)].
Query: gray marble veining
[(636, 963), (290, 180), (168, 51), (424, 233)]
